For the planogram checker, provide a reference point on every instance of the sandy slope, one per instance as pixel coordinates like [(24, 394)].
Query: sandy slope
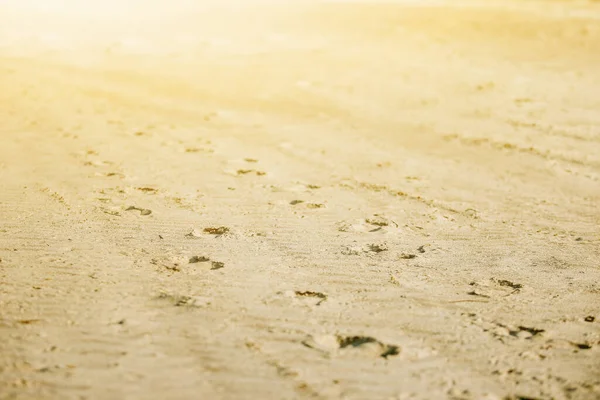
[(410, 195)]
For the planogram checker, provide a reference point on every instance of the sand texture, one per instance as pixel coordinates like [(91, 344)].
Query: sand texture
[(300, 200)]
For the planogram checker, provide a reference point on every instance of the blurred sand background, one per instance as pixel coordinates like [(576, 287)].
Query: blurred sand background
[(299, 199)]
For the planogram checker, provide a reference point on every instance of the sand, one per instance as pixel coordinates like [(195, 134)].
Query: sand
[(292, 200)]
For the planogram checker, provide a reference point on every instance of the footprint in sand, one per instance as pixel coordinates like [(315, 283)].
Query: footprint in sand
[(295, 298), (376, 223), (111, 174), (311, 206), (143, 211), (206, 150), (318, 297), (250, 171), (368, 249), (183, 300), (366, 346), (147, 190), (217, 231), (187, 265), (241, 168)]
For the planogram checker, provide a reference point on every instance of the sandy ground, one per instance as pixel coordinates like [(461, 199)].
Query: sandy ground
[(300, 200)]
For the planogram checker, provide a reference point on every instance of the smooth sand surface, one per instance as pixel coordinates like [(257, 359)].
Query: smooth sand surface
[(300, 200)]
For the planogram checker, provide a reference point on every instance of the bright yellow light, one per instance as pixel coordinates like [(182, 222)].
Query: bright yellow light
[(80, 24)]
